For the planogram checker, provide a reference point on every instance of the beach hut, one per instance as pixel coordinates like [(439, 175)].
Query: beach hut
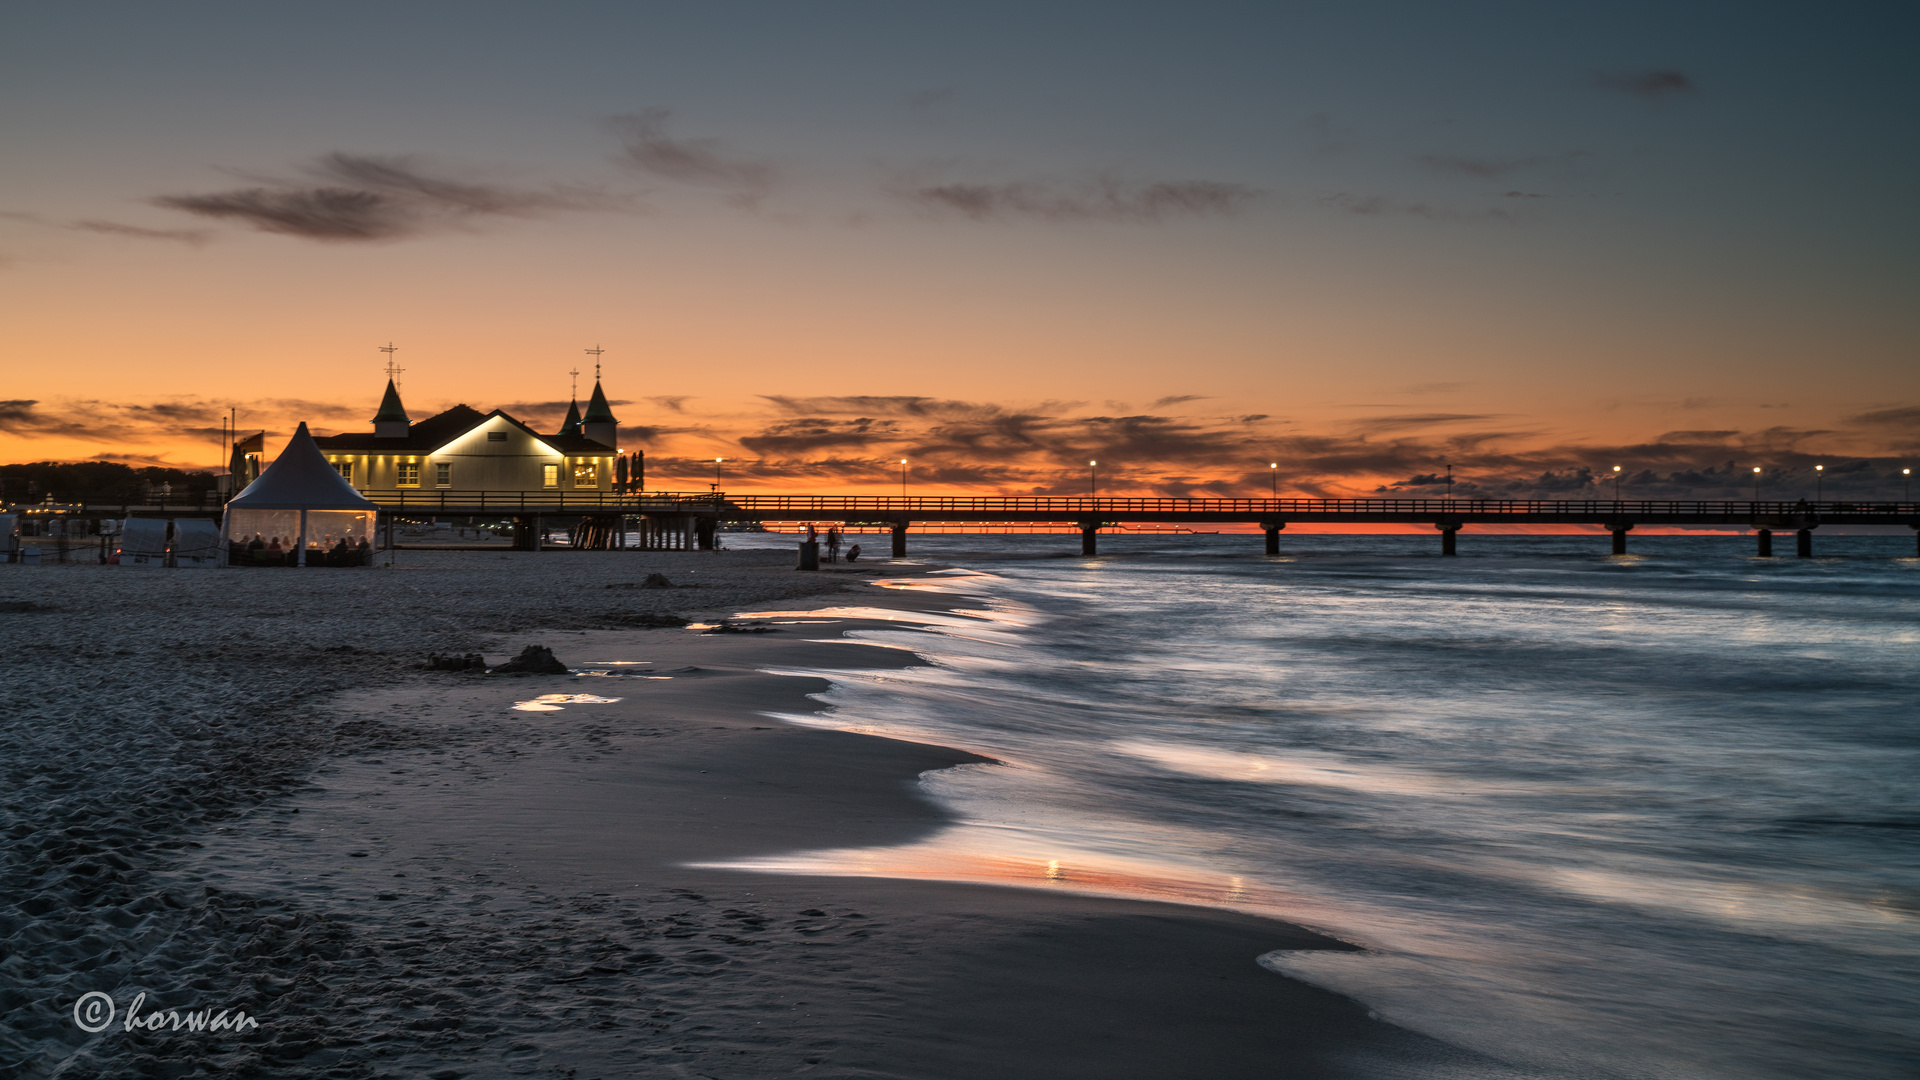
[(196, 542), (302, 507)]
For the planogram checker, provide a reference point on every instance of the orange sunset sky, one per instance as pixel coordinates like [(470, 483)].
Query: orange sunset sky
[(1357, 240)]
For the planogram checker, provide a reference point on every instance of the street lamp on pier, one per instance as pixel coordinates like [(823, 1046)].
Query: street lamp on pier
[(903, 478), (716, 474), (1093, 478), (1273, 471), (1756, 483), (1616, 483), (1819, 475), (1907, 475)]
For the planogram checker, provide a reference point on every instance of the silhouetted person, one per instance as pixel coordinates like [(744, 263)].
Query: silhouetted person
[(853, 553), (833, 545)]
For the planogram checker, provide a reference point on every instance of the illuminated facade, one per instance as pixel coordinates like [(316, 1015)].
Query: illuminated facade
[(463, 450)]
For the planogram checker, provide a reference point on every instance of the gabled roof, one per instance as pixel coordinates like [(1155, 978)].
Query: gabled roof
[(300, 479), (572, 424), (435, 432), (597, 410), (390, 407)]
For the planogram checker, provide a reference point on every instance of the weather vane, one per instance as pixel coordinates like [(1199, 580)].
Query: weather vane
[(595, 353), (576, 381), (392, 372)]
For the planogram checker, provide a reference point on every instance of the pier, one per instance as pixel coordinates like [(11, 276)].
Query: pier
[(1448, 517), (688, 520)]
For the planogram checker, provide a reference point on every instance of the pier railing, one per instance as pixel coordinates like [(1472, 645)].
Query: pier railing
[(1062, 508), (402, 500)]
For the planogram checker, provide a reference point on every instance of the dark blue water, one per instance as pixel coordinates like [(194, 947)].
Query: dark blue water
[(1643, 816)]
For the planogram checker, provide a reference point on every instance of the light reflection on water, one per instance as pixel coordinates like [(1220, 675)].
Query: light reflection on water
[(1655, 814)]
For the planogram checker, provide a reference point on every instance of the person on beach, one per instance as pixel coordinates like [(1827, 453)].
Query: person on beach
[(833, 545), (853, 553)]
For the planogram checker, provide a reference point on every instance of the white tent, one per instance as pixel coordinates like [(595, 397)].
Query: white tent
[(301, 504)]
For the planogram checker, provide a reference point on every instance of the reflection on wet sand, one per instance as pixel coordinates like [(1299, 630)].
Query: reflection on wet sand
[(951, 857)]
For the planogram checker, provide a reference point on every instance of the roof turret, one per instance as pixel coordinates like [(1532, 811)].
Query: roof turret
[(597, 410), (572, 425), (390, 407)]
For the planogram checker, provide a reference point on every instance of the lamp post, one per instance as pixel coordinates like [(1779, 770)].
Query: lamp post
[(1756, 483), (1273, 471), (1093, 478), (903, 478), (1616, 483), (1449, 479), (716, 474), (1819, 475), (1907, 475)]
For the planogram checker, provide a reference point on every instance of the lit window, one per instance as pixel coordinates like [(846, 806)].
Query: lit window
[(443, 474), (586, 474), (345, 469), (550, 475), (409, 474), (496, 436)]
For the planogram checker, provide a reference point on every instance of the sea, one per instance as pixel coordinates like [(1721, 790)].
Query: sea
[(1652, 815)]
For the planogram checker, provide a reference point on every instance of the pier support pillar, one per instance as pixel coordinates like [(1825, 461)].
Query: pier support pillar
[(900, 539), (1803, 543), (704, 527), (1765, 537), (1089, 538), (1448, 530), (1272, 529), (1619, 529)]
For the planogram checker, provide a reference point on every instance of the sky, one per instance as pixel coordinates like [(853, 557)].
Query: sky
[(1358, 241)]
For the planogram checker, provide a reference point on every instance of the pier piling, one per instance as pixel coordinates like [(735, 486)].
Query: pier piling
[(1619, 529), (1272, 529), (1448, 530), (1803, 543), (1765, 536), (1089, 538), (900, 539)]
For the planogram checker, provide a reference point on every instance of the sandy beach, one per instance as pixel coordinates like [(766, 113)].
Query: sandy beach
[(239, 789)]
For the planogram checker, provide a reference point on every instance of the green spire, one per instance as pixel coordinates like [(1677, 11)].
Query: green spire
[(390, 407), (572, 426), (597, 410)]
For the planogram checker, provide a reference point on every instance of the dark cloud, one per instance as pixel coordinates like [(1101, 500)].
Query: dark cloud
[(1380, 425), (1381, 206), (670, 402), (1178, 399), (1101, 199), (1653, 84), (313, 213), (901, 405), (367, 198), (814, 433), (136, 232), (647, 147), (1477, 167), (1906, 416)]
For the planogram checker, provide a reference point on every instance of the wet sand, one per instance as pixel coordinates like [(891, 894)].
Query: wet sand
[(461, 889)]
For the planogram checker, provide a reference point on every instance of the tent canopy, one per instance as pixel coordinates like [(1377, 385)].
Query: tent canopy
[(300, 479)]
